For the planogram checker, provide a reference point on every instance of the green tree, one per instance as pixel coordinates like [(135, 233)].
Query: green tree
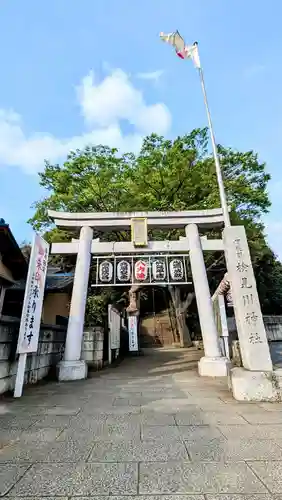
[(166, 175)]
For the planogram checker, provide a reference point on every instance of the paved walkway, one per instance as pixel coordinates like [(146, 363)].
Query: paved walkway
[(149, 427)]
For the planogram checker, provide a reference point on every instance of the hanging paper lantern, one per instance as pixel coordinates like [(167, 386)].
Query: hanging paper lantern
[(176, 270), (123, 271), (106, 271), (141, 270), (159, 270)]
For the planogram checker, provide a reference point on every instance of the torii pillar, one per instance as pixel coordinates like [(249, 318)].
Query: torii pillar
[(73, 367), (212, 364)]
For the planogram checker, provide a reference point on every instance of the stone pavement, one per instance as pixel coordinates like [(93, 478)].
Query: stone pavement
[(149, 427)]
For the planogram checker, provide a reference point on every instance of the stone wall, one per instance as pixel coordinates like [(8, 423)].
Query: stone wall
[(273, 327), (39, 365), (93, 347)]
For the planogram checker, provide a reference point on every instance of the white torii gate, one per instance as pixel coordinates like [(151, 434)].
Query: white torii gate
[(72, 367), (250, 382)]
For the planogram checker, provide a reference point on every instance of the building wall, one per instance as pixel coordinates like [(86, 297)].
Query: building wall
[(6, 273), (157, 331), (55, 304), (39, 365)]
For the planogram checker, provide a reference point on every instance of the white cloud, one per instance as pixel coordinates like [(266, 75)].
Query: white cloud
[(103, 104), (153, 75), (116, 99)]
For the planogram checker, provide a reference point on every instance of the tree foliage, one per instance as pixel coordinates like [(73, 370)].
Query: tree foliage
[(166, 175)]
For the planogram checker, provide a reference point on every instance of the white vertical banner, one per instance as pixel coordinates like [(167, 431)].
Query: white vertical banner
[(114, 323), (132, 333), (32, 306), (33, 298)]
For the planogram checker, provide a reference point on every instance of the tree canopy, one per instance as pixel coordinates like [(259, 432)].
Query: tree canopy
[(166, 175)]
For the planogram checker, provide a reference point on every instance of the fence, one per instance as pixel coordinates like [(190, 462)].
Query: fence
[(40, 364)]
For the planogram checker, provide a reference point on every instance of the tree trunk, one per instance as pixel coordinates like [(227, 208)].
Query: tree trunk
[(181, 308), (134, 304)]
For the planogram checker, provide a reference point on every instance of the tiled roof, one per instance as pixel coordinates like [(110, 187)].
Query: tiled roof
[(10, 251), (54, 282)]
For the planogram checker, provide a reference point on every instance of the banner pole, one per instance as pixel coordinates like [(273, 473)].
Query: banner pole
[(20, 375)]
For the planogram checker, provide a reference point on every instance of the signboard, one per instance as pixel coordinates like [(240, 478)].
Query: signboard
[(139, 232), (33, 298), (162, 269), (132, 333), (114, 327)]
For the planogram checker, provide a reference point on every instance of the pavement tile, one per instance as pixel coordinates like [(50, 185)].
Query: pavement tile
[(252, 431), (239, 406), (270, 473), (58, 451), (84, 438), (195, 432), (78, 479), (216, 477), (85, 422), (169, 406), (33, 434), (263, 417), (8, 436), (9, 475), (156, 418), (207, 402), (134, 451), (128, 419), (117, 432), (114, 410), (57, 421), (271, 406), (61, 410), (71, 435), (40, 498), (145, 497), (263, 496), (127, 402), (200, 417), (14, 421), (165, 432), (220, 449), (127, 394), (105, 432)]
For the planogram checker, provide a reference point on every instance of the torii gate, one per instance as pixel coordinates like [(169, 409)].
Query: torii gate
[(252, 336)]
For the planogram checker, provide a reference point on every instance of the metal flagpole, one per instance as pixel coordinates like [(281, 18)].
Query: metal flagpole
[(185, 52), (222, 194)]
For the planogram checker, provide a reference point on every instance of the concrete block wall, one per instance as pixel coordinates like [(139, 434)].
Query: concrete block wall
[(273, 327), (92, 347), (39, 365)]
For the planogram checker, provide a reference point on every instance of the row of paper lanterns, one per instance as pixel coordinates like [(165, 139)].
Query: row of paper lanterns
[(141, 270)]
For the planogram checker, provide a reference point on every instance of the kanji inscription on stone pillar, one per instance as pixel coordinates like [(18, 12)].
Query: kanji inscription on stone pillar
[(249, 321)]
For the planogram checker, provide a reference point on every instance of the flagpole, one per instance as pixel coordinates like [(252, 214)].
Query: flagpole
[(222, 194), (191, 52)]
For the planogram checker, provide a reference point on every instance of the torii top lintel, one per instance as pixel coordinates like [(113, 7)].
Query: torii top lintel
[(107, 221)]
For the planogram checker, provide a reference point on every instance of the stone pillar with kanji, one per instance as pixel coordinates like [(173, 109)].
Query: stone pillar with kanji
[(249, 321), (256, 380)]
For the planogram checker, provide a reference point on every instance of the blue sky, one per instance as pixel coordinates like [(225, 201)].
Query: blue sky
[(79, 71)]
